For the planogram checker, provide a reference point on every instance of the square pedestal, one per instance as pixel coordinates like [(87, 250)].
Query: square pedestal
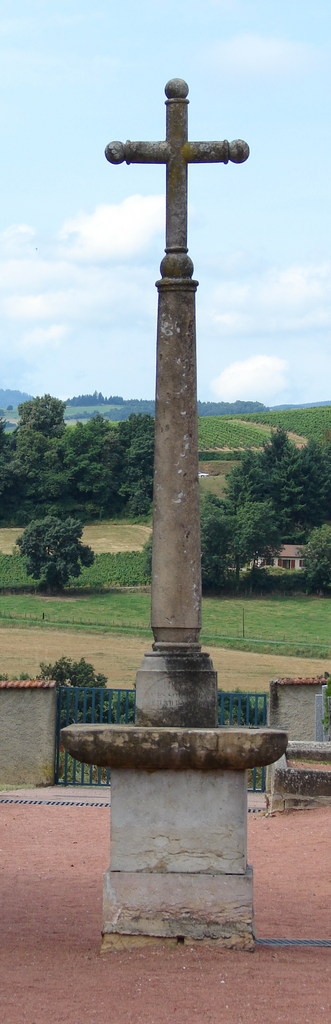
[(188, 821), (178, 857), (192, 907)]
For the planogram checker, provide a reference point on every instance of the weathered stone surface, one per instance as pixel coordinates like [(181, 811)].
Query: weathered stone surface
[(127, 746), (309, 751), (178, 818), (297, 788), (176, 575), (177, 688), (292, 706), (195, 906), (27, 733), (190, 821), (176, 563)]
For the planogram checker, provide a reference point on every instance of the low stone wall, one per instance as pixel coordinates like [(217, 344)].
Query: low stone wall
[(27, 733), (292, 706), (303, 786)]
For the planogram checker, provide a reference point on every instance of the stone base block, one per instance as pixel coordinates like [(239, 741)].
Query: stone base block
[(213, 908), (177, 688), (188, 821)]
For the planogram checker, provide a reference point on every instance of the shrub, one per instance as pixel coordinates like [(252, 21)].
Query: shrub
[(67, 672)]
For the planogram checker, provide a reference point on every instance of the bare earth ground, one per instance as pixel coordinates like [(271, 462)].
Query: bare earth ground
[(51, 969), (119, 657)]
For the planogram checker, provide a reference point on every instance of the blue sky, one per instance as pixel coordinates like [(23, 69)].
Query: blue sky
[(81, 240)]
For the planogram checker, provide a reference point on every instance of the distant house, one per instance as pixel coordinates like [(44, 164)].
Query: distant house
[(289, 557)]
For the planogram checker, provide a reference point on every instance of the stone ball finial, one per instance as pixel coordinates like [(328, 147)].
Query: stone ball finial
[(115, 152), (176, 89)]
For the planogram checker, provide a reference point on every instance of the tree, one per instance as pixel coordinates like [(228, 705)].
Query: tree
[(67, 672), (53, 550), (46, 415), (256, 534), (216, 541), (317, 560), (92, 461), (37, 477), (229, 542), (276, 474), (136, 435)]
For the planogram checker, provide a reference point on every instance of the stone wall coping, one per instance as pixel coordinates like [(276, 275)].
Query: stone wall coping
[(313, 751), (27, 684), (300, 680)]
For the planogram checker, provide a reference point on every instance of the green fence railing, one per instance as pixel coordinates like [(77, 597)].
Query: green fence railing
[(98, 705), (88, 704)]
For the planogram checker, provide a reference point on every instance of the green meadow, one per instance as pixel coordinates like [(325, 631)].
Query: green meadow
[(293, 626)]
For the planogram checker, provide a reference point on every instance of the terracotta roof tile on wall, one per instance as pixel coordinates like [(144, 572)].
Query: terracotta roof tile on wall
[(27, 684), (301, 680)]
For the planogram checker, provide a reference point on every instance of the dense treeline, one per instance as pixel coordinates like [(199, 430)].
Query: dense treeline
[(10, 399), (278, 495), (295, 481), (96, 399), (122, 408), (99, 470), (91, 471)]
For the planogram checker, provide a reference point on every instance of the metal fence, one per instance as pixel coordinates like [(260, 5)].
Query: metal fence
[(97, 705), (88, 704)]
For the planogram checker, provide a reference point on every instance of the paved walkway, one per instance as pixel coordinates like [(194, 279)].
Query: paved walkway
[(98, 795)]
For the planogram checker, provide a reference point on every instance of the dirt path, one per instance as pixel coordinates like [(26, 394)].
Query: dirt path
[(50, 966)]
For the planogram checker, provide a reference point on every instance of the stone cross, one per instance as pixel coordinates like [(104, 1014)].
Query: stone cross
[(177, 684), (178, 781), (176, 152)]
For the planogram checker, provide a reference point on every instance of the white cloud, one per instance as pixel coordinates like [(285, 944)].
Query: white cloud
[(114, 231), (291, 300), (260, 56), (44, 337), (16, 238), (74, 314), (78, 312), (259, 378)]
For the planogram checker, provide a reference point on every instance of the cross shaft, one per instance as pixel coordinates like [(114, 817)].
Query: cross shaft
[(176, 152), (176, 556)]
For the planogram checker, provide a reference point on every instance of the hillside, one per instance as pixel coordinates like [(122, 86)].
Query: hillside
[(118, 409), (312, 423), (13, 398), (223, 426)]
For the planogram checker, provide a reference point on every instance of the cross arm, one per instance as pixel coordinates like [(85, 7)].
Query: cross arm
[(137, 152), (216, 152)]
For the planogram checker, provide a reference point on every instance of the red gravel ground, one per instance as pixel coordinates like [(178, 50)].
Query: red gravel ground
[(51, 969)]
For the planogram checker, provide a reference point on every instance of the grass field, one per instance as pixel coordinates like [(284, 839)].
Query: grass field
[(119, 657), (288, 626), (215, 482), (102, 537), (251, 641)]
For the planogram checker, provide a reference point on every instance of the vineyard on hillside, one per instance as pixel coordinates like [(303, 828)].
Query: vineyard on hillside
[(313, 424), (230, 432), (122, 569), (252, 430)]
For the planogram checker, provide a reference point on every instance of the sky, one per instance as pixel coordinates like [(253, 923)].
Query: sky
[(81, 240)]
